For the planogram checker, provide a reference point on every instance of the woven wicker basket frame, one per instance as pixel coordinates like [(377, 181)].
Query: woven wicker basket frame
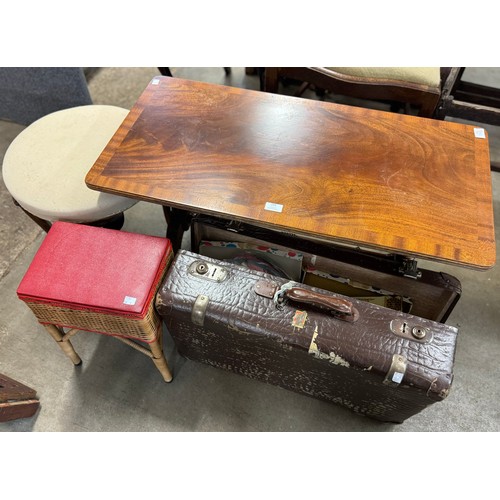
[(110, 324), (126, 328)]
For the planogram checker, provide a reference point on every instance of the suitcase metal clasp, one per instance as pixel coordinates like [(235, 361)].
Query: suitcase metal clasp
[(396, 371), (207, 270), (199, 309), (411, 331)]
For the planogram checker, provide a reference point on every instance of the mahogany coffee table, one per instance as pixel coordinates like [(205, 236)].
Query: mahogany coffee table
[(396, 183)]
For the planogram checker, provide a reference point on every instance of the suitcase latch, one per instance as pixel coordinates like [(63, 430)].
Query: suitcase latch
[(208, 271), (410, 330)]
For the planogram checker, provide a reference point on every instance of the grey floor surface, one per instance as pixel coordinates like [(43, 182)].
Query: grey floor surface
[(118, 389)]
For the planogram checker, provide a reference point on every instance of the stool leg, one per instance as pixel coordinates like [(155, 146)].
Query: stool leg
[(113, 222), (65, 345), (44, 224), (160, 361)]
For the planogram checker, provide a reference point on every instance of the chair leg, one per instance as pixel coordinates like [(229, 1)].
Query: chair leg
[(159, 360), (428, 107), (65, 345), (165, 71), (271, 80)]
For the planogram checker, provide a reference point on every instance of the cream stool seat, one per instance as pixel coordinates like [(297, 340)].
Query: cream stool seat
[(45, 166)]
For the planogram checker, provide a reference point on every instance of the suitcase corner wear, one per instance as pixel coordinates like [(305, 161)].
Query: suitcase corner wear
[(376, 361)]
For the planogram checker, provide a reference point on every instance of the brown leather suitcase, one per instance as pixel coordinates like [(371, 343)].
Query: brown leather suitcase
[(378, 362), (431, 294)]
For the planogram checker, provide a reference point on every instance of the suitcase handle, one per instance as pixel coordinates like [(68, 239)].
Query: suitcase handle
[(341, 308), (334, 304)]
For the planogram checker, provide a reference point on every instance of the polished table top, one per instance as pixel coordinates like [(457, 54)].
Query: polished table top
[(378, 180)]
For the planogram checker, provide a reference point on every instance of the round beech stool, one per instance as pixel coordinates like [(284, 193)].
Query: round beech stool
[(45, 166)]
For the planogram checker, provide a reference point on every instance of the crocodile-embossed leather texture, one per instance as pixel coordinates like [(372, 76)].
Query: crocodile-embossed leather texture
[(327, 358), (433, 295)]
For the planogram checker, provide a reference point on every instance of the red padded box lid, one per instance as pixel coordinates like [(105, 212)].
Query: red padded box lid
[(86, 267)]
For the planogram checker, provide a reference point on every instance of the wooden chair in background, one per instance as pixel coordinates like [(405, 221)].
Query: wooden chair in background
[(468, 101), (418, 87)]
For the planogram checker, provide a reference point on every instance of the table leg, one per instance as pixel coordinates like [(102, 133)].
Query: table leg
[(178, 222)]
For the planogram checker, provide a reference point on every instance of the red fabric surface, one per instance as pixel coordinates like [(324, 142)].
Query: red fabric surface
[(86, 267)]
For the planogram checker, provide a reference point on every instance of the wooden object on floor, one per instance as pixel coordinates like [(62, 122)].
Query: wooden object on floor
[(99, 280), (385, 181), (16, 400)]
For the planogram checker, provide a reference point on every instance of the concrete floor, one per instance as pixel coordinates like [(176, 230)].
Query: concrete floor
[(118, 389)]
